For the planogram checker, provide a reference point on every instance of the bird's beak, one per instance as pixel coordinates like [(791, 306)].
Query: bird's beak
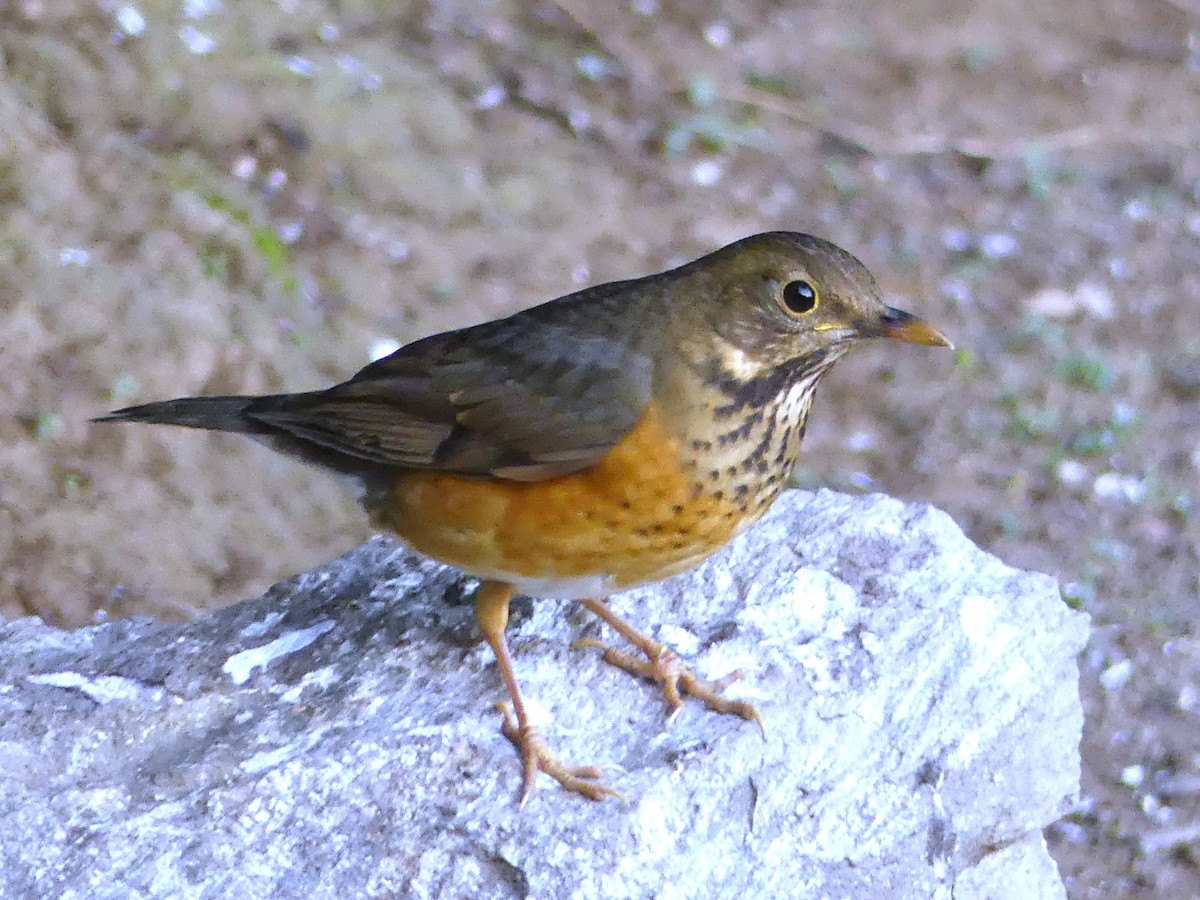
[(901, 326)]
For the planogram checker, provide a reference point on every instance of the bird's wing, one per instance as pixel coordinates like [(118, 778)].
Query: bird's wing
[(524, 398)]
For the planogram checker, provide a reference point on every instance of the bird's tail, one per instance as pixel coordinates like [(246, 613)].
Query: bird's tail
[(211, 413), (280, 421)]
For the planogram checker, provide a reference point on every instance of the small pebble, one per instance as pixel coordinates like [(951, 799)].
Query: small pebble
[(491, 97), (1072, 472), (998, 245), (244, 167), (1189, 698), (1133, 776), (706, 173), (130, 21), (198, 9), (1115, 486), (196, 41), (718, 34), (74, 256), (860, 441), (1059, 303), (958, 240), (1117, 675), (301, 65), (1137, 210), (1073, 833)]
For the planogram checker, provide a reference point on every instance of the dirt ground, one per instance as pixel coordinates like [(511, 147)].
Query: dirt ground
[(205, 198)]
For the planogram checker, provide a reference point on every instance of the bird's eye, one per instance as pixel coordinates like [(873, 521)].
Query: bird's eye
[(799, 297)]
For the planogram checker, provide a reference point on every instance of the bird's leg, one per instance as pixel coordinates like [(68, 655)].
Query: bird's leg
[(491, 612), (663, 665)]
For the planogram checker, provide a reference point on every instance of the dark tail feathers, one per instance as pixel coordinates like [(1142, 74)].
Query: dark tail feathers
[(212, 413)]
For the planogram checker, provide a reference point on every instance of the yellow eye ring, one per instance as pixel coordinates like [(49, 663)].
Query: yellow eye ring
[(798, 297)]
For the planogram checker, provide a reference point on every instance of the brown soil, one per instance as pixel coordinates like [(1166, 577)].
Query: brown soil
[(240, 201)]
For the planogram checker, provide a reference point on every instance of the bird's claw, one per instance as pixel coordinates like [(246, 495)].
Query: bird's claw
[(536, 757)]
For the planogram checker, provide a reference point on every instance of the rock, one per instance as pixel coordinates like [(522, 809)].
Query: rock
[(337, 737)]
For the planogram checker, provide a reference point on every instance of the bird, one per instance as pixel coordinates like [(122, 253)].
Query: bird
[(605, 439)]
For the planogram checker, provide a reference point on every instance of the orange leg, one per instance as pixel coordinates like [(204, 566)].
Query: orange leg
[(491, 612), (663, 665)]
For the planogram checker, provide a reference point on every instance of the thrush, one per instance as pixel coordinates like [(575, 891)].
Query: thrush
[(605, 439)]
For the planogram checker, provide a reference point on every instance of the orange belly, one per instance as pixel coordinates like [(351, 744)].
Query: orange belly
[(640, 514)]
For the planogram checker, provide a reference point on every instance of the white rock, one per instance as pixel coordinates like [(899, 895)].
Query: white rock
[(922, 717)]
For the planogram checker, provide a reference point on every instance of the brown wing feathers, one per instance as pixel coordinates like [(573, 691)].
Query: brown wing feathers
[(459, 402)]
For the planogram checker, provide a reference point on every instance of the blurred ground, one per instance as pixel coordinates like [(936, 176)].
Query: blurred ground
[(202, 198)]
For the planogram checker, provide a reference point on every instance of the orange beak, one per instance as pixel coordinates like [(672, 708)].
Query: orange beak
[(901, 326)]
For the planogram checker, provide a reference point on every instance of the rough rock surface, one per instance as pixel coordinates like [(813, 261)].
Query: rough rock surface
[(337, 737)]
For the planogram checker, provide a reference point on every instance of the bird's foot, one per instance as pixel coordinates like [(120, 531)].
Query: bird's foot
[(536, 757), (662, 665)]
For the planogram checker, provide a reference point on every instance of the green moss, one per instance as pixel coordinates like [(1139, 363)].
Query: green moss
[(1035, 330), (1182, 508), (1041, 172), (1078, 594), (1031, 422), (1085, 370), (214, 260), (274, 251), (978, 56), (1090, 441), (124, 387), (843, 178), (708, 127), (42, 424), (775, 85)]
